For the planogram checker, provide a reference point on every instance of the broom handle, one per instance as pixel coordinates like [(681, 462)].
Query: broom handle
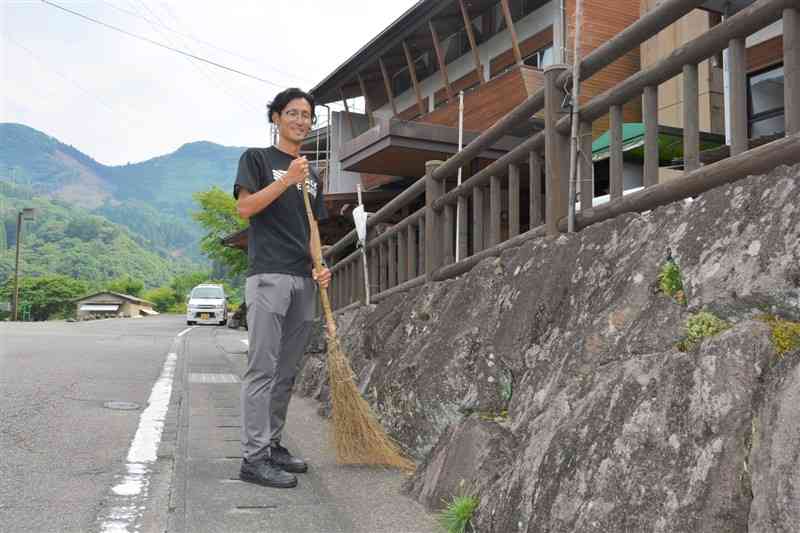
[(316, 256)]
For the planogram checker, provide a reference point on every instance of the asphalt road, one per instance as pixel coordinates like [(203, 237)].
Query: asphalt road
[(60, 446)]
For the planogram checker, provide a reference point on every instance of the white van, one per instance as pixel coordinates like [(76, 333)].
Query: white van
[(207, 304)]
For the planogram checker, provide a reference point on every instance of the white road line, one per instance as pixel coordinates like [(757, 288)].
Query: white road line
[(184, 332), (128, 499)]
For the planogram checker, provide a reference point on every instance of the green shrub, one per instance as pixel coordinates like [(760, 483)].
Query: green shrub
[(700, 326), (670, 281), (458, 513)]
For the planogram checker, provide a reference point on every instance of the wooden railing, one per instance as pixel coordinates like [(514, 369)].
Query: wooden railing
[(422, 248)]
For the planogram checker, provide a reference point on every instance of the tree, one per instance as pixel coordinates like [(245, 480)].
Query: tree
[(219, 218), (126, 285), (48, 295), (163, 298)]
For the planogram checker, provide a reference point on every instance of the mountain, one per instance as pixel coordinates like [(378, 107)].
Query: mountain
[(152, 198), (69, 240)]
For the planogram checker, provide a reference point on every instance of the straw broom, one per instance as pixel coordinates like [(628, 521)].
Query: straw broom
[(359, 437)]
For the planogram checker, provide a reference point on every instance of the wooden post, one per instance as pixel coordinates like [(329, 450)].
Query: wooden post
[(616, 164), (535, 214), (650, 115), (391, 242), (412, 70), (402, 257), (374, 271), (463, 232), (421, 236), (513, 200), (411, 237), (791, 69), (473, 45), (347, 114), (367, 104), (360, 292), (511, 31), (387, 83), (477, 219), (383, 252), (449, 234), (556, 150), (434, 188), (738, 99), (585, 166), (440, 59), (691, 118), (495, 208)]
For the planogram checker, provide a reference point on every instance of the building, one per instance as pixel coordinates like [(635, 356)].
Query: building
[(109, 304), (411, 73)]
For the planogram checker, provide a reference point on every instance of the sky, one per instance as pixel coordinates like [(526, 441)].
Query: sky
[(121, 100)]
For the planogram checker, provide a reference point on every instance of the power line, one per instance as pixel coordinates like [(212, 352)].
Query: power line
[(156, 22), (162, 45), (191, 36)]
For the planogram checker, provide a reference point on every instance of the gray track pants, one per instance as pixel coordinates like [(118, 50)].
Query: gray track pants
[(280, 311)]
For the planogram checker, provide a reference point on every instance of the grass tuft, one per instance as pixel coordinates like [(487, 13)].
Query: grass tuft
[(457, 515), (700, 326)]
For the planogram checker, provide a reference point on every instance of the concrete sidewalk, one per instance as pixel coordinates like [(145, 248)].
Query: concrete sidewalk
[(206, 494)]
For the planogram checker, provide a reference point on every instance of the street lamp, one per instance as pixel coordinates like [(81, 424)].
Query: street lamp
[(26, 214)]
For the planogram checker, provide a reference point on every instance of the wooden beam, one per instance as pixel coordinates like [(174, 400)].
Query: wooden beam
[(472, 43), (347, 114), (388, 84), (367, 104), (512, 31), (440, 59), (412, 70)]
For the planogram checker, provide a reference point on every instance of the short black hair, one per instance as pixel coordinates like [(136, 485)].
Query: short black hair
[(283, 98)]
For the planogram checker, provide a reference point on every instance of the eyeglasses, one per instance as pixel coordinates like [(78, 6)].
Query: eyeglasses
[(298, 116)]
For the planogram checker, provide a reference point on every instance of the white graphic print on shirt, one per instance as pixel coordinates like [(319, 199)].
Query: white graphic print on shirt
[(312, 185)]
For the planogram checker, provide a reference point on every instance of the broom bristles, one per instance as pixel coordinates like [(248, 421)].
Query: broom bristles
[(359, 438)]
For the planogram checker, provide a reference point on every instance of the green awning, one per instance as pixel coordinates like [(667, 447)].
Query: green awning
[(670, 143)]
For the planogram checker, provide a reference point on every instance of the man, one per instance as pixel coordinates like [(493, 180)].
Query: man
[(280, 292)]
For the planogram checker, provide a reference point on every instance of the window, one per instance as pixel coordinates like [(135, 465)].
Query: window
[(401, 80), (765, 103), (457, 44), (540, 58), (518, 8), (208, 292)]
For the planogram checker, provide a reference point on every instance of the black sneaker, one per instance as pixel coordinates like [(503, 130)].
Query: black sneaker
[(265, 472), (282, 458)]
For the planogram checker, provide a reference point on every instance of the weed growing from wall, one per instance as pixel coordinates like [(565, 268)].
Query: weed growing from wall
[(785, 334), (700, 326), (456, 516), (670, 281)]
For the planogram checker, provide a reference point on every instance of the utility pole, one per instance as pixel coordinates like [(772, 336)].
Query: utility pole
[(573, 153), (25, 214)]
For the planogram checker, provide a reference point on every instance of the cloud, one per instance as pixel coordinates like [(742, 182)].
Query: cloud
[(121, 100)]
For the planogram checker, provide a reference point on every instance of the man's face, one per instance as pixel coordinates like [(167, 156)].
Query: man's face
[(294, 122)]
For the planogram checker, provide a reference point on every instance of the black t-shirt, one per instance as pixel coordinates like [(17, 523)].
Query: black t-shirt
[(278, 236)]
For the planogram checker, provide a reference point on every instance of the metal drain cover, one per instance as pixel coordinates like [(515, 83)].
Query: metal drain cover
[(121, 406)]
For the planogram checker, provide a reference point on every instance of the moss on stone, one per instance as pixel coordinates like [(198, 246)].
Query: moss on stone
[(700, 326), (785, 334)]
